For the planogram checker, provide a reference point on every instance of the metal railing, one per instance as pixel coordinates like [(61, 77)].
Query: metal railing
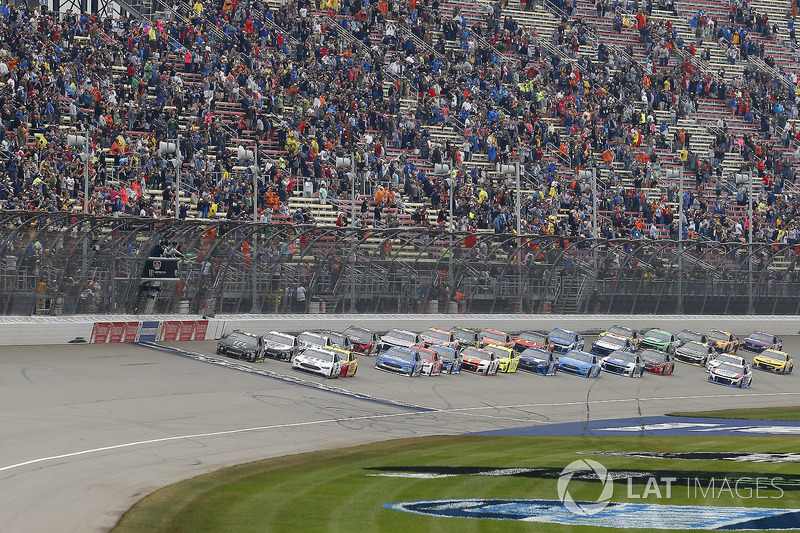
[(64, 263)]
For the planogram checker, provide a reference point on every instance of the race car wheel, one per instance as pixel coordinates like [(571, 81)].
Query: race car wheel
[(411, 373), (354, 371)]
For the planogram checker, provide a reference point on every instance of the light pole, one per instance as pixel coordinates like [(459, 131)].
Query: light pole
[(171, 147), (592, 176), (740, 179), (245, 156), (671, 174), (508, 170), (341, 164), (443, 170), (78, 141), (82, 141), (750, 307)]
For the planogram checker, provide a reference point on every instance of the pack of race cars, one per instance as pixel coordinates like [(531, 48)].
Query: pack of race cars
[(618, 350)]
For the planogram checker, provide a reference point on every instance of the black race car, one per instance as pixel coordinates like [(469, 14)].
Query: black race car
[(242, 345)]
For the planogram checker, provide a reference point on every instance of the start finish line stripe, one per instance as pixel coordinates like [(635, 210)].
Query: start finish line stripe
[(282, 377)]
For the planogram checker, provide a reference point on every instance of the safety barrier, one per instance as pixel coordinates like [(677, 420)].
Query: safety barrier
[(113, 329)]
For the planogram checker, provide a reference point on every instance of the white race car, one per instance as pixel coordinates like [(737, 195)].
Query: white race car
[(280, 345), (728, 358), (623, 363), (318, 361), (731, 375)]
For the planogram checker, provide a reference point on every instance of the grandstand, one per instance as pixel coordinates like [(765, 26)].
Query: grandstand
[(414, 94)]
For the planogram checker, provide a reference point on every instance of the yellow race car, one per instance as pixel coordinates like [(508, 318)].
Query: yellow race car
[(722, 341), (624, 331), (507, 358), (349, 362), (774, 361)]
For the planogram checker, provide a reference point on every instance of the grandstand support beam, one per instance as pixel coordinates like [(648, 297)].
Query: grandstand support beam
[(680, 242), (350, 163), (86, 176), (178, 176), (254, 255), (595, 232), (750, 306)]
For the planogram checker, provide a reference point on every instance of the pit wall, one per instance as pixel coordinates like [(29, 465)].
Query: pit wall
[(30, 331)]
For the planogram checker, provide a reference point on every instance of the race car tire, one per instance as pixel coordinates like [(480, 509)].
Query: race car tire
[(411, 373), (486, 372)]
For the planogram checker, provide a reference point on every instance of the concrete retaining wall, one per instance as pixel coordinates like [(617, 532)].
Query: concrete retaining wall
[(22, 331)]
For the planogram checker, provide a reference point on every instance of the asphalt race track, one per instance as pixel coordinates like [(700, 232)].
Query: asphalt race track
[(88, 430)]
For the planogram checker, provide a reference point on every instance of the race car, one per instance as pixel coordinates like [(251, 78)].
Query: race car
[(309, 339), (337, 339), (609, 343), (280, 346), (465, 336), (319, 361), (657, 362), (538, 361), (565, 340), (624, 331), (687, 335), (499, 338), (431, 362), (400, 338), (774, 361), (695, 353), (758, 341), (507, 359), (579, 363), (477, 361), (364, 341), (623, 363), (242, 345), (727, 358), (438, 336), (400, 361), (660, 340), (531, 339), (722, 341), (451, 360), (731, 375), (349, 361)]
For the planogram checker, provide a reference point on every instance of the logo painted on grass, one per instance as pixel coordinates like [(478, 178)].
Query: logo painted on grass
[(585, 508), (613, 515)]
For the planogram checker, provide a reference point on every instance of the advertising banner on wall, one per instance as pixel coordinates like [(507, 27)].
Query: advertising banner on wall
[(149, 331), (131, 331), (170, 330), (100, 332), (200, 330), (187, 331), (117, 332)]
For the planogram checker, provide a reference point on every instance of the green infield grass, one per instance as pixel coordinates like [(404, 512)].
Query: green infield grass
[(338, 490), (789, 414)]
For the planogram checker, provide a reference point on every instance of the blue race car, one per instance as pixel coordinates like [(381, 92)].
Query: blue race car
[(400, 361), (451, 360), (538, 361), (580, 363), (758, 341), (565, 340)]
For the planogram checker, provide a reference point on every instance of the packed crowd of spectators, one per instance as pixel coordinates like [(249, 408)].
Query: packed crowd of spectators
[(307, 83)]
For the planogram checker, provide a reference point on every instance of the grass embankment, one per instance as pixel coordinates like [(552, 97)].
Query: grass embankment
[(786, 414), (333, 491)]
